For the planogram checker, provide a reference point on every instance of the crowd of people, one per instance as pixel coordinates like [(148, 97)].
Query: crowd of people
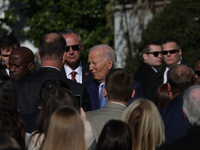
[(69, 104)]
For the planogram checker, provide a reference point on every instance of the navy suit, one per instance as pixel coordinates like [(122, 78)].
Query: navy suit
[(175, 124), (93, 90)]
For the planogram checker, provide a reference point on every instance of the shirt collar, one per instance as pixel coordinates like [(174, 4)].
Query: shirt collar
[(78, 69)]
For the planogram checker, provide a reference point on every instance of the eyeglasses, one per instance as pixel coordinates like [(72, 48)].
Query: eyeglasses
[(74, 47), (171, 51), (198, 73), (155, 54)]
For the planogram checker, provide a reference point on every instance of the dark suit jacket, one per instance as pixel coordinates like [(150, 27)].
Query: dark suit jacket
[(93, 90), (86, 73), (154, 82), (29, 89), (175, 124), (143, 75), (189, 142)]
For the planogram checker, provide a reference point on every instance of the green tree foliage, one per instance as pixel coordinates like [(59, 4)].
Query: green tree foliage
[(88, 17), (180, 20), (8, 20)]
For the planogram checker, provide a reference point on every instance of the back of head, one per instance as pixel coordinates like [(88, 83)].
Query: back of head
[(180, 77), (162, 97), (57, 98), (11, 122), (8, 143), (191, 105), (119, 85), (8, 42), (52, 47), (145, 123), (116, 135), (108, 52), (66, 131)]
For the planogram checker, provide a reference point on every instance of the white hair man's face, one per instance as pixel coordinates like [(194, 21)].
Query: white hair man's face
[(98, 66)]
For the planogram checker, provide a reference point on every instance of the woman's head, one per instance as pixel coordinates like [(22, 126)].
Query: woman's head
[(162, 96), (66, 130), (145, 123), (116, 135)]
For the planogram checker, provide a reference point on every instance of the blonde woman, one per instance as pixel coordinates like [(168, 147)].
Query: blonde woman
[(146, 125), (66, 131)]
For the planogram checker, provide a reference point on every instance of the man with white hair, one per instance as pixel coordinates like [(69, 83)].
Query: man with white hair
[(102, 59), (191, 111)]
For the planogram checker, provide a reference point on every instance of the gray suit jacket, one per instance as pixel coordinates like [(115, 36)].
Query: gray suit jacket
[(100, 117)]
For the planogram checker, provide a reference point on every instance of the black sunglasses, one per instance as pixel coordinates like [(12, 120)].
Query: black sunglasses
[(74, 47), (155, 54), (198, 73), (171, 51)]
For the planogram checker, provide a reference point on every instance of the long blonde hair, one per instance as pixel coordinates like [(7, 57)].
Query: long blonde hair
[(146, 125), (66, 131)]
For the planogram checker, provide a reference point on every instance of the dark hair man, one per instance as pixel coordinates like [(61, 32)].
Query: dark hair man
[(102, 60), (180, 78), (21, 63), (74, 68), (197, 72), (118, 92), (7, 44), (171, 53), (191, 111), (52, 55), (152, 58)]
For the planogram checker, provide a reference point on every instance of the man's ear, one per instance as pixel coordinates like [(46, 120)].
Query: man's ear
[(168, 87), (110, 64), (30, 66), (180, 52), (82, 46), (104, 92), (63, 57), (145, 56), (133, 94), (38, 54), (185, 116)]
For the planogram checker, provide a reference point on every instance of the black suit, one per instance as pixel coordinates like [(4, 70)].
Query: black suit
[(189, 142), (86, 73), (154, 82), (29, 89), (143, 74)]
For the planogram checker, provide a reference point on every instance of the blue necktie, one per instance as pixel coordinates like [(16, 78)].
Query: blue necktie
[(102, 98)]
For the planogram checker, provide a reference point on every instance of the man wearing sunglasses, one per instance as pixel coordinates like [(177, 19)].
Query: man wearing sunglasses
[(197, 73), (74, 68), (171, 53), (152, 58)]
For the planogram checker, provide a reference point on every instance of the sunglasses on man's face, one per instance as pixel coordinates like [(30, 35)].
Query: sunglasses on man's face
[(171, 51), (198, 73), (155, 54), (74, 47)]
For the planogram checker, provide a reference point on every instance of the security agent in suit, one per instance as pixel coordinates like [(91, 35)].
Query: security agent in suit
[(102, 60), (118, 91), (191, 111), (180, 78), (52, 55), (171, 53), (7, 44), (73, 58), (152, 58)]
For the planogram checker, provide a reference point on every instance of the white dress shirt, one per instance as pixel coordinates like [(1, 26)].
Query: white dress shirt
[(78, 70)]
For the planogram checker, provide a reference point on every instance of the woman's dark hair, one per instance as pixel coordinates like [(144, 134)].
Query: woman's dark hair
[(11, 122), (57, 98), (162, 96), (116, 135)]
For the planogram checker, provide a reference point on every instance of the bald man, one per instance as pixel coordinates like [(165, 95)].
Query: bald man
[(21, 63)]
